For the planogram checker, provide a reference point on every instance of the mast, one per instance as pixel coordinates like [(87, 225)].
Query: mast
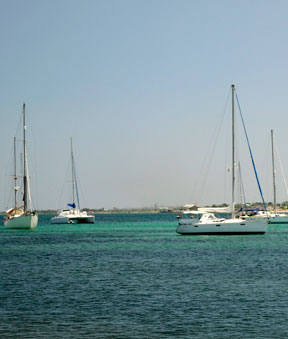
[(73, 176), (273, 169), (24, 156), (15, 175), (233, 154)]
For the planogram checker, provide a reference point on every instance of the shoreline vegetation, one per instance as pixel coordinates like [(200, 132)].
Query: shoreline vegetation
[(283, 207)]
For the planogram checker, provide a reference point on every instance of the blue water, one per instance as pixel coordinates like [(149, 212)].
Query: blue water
[(132, 276)]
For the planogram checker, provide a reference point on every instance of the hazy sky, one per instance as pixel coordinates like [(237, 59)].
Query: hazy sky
[(141, 86)]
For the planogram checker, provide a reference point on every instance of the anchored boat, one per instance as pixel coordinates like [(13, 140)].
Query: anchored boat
[(73, 214), (275, 217), (206, 223), (21, 217)]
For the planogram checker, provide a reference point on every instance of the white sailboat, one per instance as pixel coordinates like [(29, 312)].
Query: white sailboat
[(206, 223), (21, 217), (73, 215), (275, 217)]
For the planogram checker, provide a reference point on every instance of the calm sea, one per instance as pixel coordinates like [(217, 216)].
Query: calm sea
[(132, 276)]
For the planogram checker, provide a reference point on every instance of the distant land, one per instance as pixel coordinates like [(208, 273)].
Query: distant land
[(174, 209)]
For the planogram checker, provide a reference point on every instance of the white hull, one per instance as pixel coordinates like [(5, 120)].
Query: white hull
[(223, 227), (278, 219), (73, 218), (25, 221)]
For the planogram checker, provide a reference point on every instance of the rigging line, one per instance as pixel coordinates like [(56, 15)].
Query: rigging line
[(239, 190), (251, 155), (61, 198), (210, 154), (227, 151), (241, 186), (281, 167), (76, 186), (19, 128), (33, 164), (265, 166), (8, 183), (18, 135), (80, 190), (29, 206)]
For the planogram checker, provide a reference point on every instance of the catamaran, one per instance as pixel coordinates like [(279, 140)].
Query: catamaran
[(73, 214), (21, 217), (206, 223)]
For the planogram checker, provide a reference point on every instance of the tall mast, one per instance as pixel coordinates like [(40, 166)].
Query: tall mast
[(15, 175), (273, 169), (233, 154), (73, 175), (24, 156)]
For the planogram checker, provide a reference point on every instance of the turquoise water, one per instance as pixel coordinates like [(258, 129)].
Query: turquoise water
[(132, 276)]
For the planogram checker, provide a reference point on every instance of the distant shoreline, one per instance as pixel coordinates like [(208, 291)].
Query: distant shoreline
[(174, 210)]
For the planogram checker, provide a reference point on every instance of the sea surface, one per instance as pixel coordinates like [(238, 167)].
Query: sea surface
[(132, 276)]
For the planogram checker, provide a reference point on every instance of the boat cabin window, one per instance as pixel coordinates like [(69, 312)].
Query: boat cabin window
[(191, 216)]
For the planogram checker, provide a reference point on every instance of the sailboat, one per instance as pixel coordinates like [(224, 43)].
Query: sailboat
[(275, 217), (73, 214), (206, 223), (21, 217)]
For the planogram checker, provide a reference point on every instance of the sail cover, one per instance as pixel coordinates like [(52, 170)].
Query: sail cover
[(215, 209), (71, 205)]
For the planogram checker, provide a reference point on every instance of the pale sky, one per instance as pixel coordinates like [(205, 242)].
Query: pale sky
[(141, 85)]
